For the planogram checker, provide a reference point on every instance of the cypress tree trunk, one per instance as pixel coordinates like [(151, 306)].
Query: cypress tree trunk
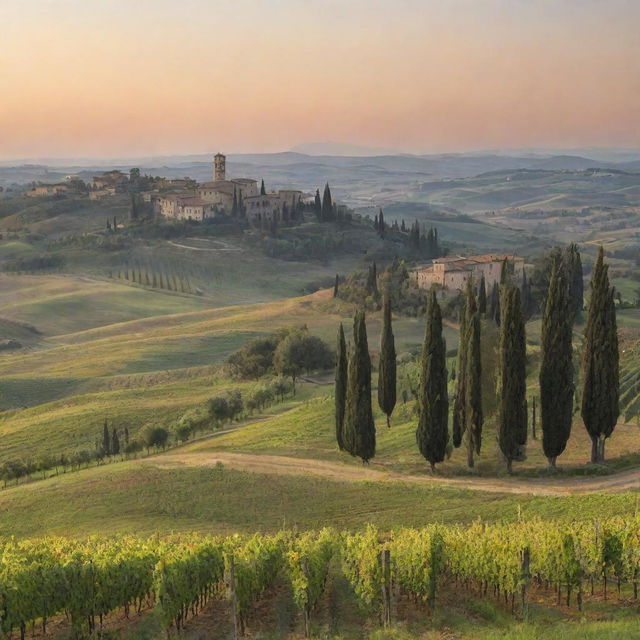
[(600, 366), (387, 369), (341, 385), (432, 433), (512, 421), (359, 432), (556, 368)]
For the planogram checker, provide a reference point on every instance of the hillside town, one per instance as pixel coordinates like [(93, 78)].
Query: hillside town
[(185, 199)]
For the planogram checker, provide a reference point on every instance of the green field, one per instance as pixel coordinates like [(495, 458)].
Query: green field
[(98, 348)]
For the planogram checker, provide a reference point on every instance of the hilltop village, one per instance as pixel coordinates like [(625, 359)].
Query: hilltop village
[(186, 199)]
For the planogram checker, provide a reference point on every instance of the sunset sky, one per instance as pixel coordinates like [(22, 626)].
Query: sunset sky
[(118, 77)]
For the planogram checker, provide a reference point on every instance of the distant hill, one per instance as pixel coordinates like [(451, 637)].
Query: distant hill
[(340, 149)]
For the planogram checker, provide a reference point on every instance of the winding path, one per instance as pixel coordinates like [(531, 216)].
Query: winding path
[(283, 465)]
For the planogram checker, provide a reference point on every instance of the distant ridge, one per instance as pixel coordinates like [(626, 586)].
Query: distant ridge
[(341, 149)]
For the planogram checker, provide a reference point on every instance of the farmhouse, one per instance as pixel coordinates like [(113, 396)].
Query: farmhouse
[(452, 273), (46, 190), (185, 207)]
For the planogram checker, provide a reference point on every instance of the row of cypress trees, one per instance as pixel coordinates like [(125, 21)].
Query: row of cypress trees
[(355, 428)]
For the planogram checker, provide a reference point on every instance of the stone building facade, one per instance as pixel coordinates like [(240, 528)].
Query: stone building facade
[(453, 273)]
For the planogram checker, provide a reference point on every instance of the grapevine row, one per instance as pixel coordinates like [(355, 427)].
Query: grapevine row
[(178, 576)]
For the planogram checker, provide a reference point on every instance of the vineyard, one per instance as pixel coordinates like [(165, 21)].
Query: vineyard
[(173, 579)]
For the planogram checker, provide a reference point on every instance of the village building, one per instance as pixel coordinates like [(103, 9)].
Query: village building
[(280, 206), (452, 273), (184, 207), (48, 190), (98, 194), (116, 180)]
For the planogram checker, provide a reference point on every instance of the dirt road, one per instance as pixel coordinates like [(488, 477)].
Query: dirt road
[(283, 465)]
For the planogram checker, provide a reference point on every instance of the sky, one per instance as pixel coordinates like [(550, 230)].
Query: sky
[(122, 77)]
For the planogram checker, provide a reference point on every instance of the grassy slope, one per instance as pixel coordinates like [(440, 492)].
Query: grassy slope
[(307, 432), (136, 496)]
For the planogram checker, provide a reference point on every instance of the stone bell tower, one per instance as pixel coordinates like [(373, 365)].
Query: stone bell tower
[(219, 167)]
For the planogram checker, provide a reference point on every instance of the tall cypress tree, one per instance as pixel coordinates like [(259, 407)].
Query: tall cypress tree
[(359, 431), (556, 368), (335, 286), (575, 277), (263, 191), (374, 279), (482, 296), (317, 206), (432, 434), (512, 420), (495, 303), (460, 402), (234, 204), (327, 204), (106, 440), (600, 366), (473, 413), (341, 385), (387, 369), (115, 443)]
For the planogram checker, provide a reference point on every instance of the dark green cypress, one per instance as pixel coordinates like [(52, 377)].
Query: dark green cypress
[(387, 368), (115, 443), (495, 303), (460, 402), (575, 277), (504, 272), (263, 191), (374, 279), (327, 204), (106, 440), (359, 431), (335, 286), (512, 420), (317, 207), (432, 434), (482, 296), (473, 412), (341, 385), (600, 366), (556, 368), (234, 203)]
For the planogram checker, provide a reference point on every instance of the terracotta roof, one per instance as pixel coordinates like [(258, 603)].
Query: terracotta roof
[(245, 180)]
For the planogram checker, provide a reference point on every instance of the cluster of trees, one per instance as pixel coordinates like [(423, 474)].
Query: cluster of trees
[(427, 246), (233, 405), (325, 209), (288, 352), (355, 429), (29, 264), (364, 288)]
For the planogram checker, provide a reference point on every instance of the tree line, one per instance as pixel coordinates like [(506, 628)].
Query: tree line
[(116, 443), (355, 428)]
